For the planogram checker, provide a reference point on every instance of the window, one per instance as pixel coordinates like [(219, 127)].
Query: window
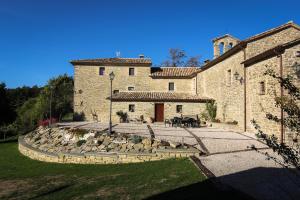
[(171, 86), (131, 71), (179, 109), (116, 91), (101, 71), (229, 77), (221, 48), (262, 88), (230, 45), (130, 88), (131, 108)]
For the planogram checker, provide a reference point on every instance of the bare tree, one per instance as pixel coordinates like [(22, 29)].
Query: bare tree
[(177, 58), (193, 61)]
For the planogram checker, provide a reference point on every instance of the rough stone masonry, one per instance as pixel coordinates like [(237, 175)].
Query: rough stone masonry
[(234, 79)]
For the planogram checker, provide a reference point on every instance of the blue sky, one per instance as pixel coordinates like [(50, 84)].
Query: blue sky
[(38, 38)]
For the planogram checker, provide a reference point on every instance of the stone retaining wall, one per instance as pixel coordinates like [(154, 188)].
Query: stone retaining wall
[(101, 158)]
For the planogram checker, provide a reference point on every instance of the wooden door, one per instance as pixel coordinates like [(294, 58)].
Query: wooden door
[(159, 112)]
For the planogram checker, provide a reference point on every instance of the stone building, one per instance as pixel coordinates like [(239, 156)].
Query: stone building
[(234, 79)]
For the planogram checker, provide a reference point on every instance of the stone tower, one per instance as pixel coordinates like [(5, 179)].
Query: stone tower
[(223, 44)]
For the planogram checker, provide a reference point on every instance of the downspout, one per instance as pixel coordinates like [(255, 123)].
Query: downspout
[(279, 54), (281, 95), (245, 94)]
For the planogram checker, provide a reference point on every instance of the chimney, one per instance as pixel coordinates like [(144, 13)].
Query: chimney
[(141, 56), (206, 61)]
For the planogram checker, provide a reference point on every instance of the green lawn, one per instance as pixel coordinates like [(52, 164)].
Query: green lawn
[(24, 178)]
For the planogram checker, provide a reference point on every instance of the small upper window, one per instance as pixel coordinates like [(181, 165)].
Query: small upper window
[(101, 71), (116, 91), (171, 86), (130, 88), (131, 108), (221, 48), (179, 108), (229, 77), (262, 88), (131, 71)]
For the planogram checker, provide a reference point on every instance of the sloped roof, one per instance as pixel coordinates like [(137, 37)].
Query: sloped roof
[(271, 52), (175, 72), (242, 44), (158, 96), (114, 61)]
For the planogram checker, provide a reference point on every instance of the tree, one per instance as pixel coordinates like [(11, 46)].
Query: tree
[(60, 91), (178, 58), (5, 111), (290, 106), (193, 62)]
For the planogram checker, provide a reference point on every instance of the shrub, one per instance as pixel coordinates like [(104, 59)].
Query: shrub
[(46, 122), (123, 116), (204, 116), (80, 142), (135, 139), (79, 132), (211, 108), (78, 117)]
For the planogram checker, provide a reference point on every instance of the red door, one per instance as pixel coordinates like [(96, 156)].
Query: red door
[(159, 112)]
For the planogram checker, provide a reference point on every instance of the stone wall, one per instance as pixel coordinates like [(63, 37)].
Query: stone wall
[(289, 59), (258, 105), (92, 90), (101, 158), (228, 92), (258, 46), (95, 88), (147, 109)]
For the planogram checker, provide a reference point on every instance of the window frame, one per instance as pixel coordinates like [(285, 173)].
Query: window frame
[(229, 77), (179, 110), (262, 88), (101, 71), (131, 108), (133, 71), (132, 88), (171, 83)]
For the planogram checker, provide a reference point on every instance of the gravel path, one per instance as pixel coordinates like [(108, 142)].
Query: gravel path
[(229, 158)]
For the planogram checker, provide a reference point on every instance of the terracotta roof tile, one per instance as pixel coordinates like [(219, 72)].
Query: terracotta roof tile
[(114, 61), (179, 72), (158, 96)]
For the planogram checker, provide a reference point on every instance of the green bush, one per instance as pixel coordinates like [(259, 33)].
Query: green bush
[(135, 139), (211, 108), (80, 142), (123, 116)]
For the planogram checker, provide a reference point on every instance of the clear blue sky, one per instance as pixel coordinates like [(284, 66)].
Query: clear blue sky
[(39, 37)]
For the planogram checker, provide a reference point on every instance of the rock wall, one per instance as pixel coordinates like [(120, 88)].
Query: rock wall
[(101, 158)]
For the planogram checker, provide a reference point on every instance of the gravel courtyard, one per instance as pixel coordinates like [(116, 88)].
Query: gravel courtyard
[(228, 157)]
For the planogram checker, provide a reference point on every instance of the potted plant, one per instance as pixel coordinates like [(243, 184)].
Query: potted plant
[(123, 116)]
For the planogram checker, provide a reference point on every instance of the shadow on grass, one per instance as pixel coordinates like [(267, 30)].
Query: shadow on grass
[(256, 183), (52, 190)]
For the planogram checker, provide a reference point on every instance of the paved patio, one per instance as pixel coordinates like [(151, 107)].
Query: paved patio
[(229, 157)]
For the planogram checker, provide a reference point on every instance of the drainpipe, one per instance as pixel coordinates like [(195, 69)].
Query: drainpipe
[(245, 94), (281, 95), (279, 55)]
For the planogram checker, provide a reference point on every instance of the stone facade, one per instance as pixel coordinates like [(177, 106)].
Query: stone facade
[(229, 79)]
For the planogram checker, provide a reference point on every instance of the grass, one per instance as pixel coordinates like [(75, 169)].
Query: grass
[(23, 178)]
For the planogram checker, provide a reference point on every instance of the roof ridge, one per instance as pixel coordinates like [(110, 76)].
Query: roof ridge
[(285, 25)]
